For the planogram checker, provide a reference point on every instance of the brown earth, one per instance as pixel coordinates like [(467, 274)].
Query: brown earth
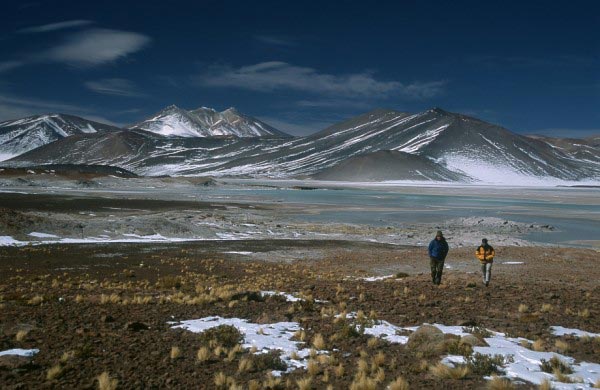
[(106, 308)]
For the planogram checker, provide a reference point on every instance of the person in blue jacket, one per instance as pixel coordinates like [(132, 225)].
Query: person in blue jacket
[(438, 250)]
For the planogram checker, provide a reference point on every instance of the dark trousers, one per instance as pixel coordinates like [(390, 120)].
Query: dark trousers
[(437, 267)]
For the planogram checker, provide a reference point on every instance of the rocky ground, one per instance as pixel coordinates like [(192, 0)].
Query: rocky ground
[(94, 306), (91, 309)]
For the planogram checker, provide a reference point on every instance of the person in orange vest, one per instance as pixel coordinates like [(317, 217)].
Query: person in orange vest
[(485, 253)]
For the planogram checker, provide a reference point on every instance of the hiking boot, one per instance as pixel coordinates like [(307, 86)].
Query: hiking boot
[(487, 284)]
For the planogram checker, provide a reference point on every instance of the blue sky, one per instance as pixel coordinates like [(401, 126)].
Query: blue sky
[(530, 66)]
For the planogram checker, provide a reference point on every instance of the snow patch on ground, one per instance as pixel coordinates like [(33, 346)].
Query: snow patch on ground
[(265, 337), (20, 352), (288, 297), (560, 331), (42, 235), (525, 363)]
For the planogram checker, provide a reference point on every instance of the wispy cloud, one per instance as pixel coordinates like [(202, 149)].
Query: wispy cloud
[(274, 40), (54, 26), (12, 107), (276, 75), (8, 65), (117, 87), (96, 46), (334, 103)]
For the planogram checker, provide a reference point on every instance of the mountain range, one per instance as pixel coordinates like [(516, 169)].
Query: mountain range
[(433, 145)]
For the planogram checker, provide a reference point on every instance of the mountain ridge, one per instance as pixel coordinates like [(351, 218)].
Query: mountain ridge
[(472, 149)]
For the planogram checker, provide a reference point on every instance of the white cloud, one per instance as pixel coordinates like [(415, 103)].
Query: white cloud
[(54, 26), (95, 47), (118, 87), (277, 75)]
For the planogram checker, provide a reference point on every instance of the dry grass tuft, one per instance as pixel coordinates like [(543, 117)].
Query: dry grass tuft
[(36, 300), (319, 341), (545, 385), (427, 341), (546, 308), (561, 346), (54, 372), (339, 370), (373, 342), (304, 383), (21, 335), (203, 354), (312, 367), (585, 313), (379, 359), (66, 356), (498, 383), (245, 364), (442, 371), (105, 382), (220, 379), (362, 382), (538, 345), (523, 308), (272, 382), (562, 377), (175, 353), (399, 384)]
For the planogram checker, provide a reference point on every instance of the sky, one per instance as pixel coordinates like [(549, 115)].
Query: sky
[(529, 66)]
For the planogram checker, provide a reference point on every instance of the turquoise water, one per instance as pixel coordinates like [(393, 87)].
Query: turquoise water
[(573, 217)]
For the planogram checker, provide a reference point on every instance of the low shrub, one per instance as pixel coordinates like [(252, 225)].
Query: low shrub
[(227, 336), (555, 364), (484, 365)]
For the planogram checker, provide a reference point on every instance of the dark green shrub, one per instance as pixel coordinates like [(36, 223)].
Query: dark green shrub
[(486, 365), (227, 336)]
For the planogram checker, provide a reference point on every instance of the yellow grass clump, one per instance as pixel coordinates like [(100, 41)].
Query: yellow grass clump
[(538, 345), (546, 308), (318, 341), (175, 353), (304, 383), (245, 364), (203, 354), (498, 383), (545, 385), (561, 346), (442, 371), (399, 384), (54, 372), (21, 335), (105, 382), (66, 356), (523, 308)]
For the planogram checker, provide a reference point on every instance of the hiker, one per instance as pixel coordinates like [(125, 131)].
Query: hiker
[(485, 253), (438, 249)]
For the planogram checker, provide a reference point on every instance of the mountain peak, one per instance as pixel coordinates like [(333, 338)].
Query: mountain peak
[(437, 110), (206, 122)]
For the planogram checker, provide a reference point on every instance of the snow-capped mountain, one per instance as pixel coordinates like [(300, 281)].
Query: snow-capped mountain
[(206, 122), (22, 135), (454, 146)]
